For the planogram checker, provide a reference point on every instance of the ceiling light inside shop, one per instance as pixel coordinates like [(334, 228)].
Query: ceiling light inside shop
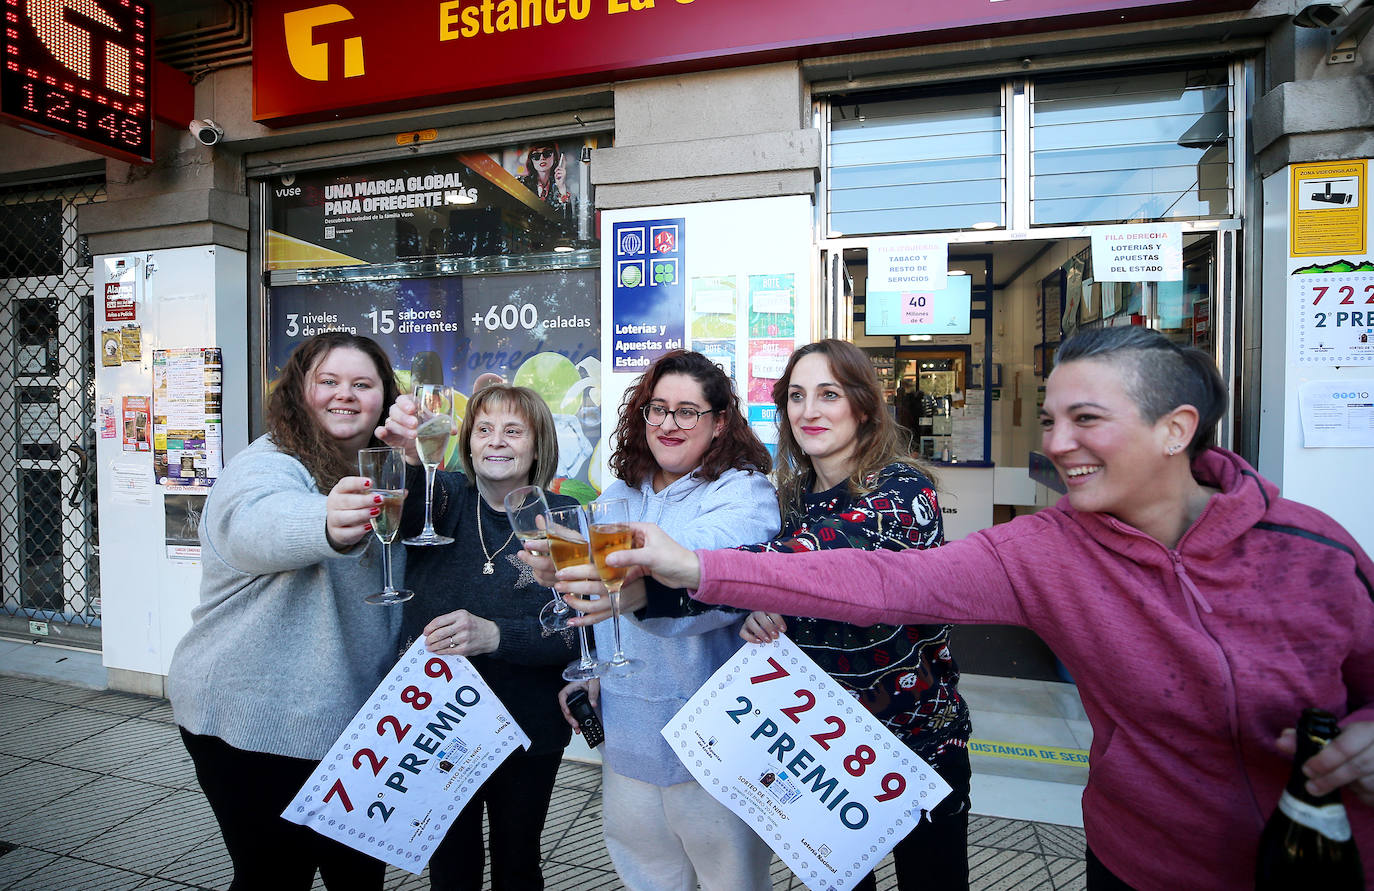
[(986, 224)]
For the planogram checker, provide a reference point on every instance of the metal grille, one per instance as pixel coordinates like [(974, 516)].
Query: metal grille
[(48, 544)]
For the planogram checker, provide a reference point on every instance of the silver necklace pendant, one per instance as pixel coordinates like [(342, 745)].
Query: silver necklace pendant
[(488, 569)]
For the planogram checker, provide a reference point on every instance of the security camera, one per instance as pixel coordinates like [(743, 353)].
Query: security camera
[(1330, 15), (1318, 15), (207, 131)]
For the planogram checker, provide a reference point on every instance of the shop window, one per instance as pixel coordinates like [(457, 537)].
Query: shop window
[(1136, 145), (33, 242), (917, 163)]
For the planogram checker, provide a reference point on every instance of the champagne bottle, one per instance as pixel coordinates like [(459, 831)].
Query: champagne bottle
[(1307, 842)]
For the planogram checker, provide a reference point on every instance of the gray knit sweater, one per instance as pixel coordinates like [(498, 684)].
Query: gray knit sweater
[(282, 650)]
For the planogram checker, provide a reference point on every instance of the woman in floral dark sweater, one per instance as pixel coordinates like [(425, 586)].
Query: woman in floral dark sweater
[(844, 482)]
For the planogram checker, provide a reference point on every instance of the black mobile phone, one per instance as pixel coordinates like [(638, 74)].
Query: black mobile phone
[(587, 719)]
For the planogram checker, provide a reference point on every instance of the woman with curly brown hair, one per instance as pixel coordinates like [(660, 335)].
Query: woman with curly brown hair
[(282, 650), (686, 459)]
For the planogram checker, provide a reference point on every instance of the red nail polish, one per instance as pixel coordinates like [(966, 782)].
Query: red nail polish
[(375, 511), (367, 484), (376, 499)]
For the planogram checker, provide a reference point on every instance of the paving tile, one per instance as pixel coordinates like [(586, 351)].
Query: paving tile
[(576, 775), (60, 693), (1068, 874), (169, 764), (995, 869), (71, 874), (566, 809), (156, 884), (1060, 841), (130, 704), (17, 686), (21, 711), (20, 863), (67, 823), (30, 787), (60, 731), (11, 762), (207, 865), (161, 711), (129, 740), (155, 837), (995, 832), (400, 880)]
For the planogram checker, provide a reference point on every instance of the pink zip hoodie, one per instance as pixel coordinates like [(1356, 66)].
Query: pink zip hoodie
[(1190, 661)]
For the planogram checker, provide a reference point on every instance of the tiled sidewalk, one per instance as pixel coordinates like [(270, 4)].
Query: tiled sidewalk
[(96, 792)]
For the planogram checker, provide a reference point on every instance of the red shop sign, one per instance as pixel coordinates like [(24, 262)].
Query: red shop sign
[(322, 61)]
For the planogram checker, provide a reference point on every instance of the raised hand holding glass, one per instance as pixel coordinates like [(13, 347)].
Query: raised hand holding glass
[(528, 512), (610, 532), (434, 406), (386, 468), (568, 547)]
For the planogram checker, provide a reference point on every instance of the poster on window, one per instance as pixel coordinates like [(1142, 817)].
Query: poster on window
[(409, 761), (780, 743), (1334, 305), (538, 330), (527, 198), (649, 292)]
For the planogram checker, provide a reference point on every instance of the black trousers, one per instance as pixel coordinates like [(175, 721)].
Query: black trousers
[(935, 853), (248, 791), (516, 800), (1100, 878)]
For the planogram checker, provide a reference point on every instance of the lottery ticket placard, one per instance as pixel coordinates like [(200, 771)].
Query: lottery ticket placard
[(409, 761), (776, 740), (1335, 317)]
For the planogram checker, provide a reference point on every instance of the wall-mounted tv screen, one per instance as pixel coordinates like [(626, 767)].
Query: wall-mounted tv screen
[(920, 312)]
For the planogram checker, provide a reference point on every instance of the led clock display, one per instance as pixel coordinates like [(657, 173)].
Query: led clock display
[(79, 70)]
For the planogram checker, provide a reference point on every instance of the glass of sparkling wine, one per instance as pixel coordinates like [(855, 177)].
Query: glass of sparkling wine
[(528, 512), (435, 410), (611, 532), (387, 470), (567, 535)]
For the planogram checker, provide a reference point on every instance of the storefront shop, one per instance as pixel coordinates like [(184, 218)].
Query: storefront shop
[(556, 193)]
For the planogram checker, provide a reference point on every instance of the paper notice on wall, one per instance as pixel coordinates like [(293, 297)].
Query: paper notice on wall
[(908, 265), (130, 483), (187, 424), (1144, 253), (1337, 414)]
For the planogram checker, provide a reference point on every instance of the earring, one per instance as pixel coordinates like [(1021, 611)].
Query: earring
[(1173, 449)]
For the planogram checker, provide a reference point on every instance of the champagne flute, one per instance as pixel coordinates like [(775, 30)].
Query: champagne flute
[(611, 532), (387, 470), (435, 410), (528, 511), (567, 535)]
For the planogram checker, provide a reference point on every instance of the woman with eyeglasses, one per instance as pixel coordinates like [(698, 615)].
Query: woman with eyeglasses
[(685, 459)]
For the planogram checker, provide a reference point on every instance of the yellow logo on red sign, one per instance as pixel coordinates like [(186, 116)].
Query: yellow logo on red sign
[(311, 59)]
